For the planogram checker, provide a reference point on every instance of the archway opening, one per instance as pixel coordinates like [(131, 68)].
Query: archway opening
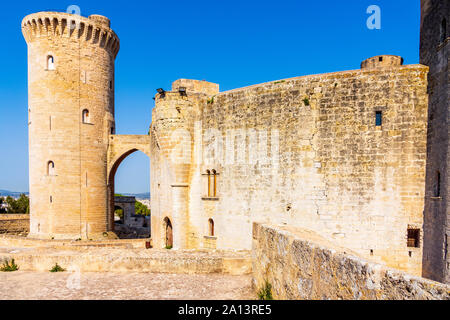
[(118, 215), (168, 231), (129, 194)]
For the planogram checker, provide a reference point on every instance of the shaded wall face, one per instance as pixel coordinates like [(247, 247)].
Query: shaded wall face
[(323, 164), (434, 52), (71, 201)]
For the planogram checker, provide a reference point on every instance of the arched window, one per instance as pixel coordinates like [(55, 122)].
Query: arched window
[(50, 168), (208, 173), (211, 175), (214, 188), (211, 227), (168, 233), (86, 116), (443, 30), (50, 63)]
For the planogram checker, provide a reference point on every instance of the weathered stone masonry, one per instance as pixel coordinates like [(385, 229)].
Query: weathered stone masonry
[(71, 115), (301, 265), (434, 52), (336, 172), (341, 154)]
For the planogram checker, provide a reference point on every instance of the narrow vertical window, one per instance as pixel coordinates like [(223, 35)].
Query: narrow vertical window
[(211, 227), (437, 192), (50, 168), (378, 118), (214, 189), (51, 199), (85, 116), (112, 130), (50, 122), (50, 63), (443, 31), (208, 173)]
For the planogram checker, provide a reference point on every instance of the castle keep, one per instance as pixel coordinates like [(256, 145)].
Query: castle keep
[(342, 154), (71, 115)]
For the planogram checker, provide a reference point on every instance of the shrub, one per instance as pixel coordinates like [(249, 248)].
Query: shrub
[(169, 247), (265, 293), (9, 266), (57, 268), (306, 101)]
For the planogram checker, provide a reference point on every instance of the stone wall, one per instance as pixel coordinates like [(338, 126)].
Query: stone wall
[(17, 224), (319, 162), (435, 52), (300, 264)]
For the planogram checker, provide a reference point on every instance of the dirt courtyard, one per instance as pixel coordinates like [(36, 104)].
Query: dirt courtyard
[(23, 285)]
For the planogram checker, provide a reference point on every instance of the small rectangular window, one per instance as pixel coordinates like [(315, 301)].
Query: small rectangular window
[(413, 238), (437, 192), (378, 118)]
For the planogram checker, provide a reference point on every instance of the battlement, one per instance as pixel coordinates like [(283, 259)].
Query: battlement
[(383, 61), (95, 29)]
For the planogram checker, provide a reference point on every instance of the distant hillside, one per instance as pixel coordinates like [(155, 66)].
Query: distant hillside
[(6, 193), (145, 195)]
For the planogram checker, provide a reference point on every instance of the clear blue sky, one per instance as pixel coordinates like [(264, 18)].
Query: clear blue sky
[(233, 43)]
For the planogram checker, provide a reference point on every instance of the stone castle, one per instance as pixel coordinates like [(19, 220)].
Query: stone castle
[(359, 157)]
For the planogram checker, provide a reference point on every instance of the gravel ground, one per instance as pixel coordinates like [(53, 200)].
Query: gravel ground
[(128, 286)]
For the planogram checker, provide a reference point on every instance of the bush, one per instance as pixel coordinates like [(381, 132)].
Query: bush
[(140, 208), (265, 293), (57, 268), (9, 266), (21, 205)]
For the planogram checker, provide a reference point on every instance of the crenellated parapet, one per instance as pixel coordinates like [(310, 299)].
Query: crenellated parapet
[(95, 29)]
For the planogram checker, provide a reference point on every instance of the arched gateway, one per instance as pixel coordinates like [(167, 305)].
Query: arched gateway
[(120, 147)]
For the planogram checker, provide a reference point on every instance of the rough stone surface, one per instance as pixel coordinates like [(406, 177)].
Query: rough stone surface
[(300, 264), (17, 224), (320, 162), (70, 199), (435, 52), (131, 286), (125, 259)]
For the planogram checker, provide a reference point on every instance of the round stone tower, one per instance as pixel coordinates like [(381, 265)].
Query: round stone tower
[(71, 114)]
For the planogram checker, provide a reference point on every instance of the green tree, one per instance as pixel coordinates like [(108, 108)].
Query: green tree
[(141, 209), (118, 212), (2, 201), (21, 205)]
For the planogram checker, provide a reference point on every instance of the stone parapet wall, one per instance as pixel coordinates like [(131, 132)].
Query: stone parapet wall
[(130, 260), (299, 264), (14, 223), (16, 241)]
